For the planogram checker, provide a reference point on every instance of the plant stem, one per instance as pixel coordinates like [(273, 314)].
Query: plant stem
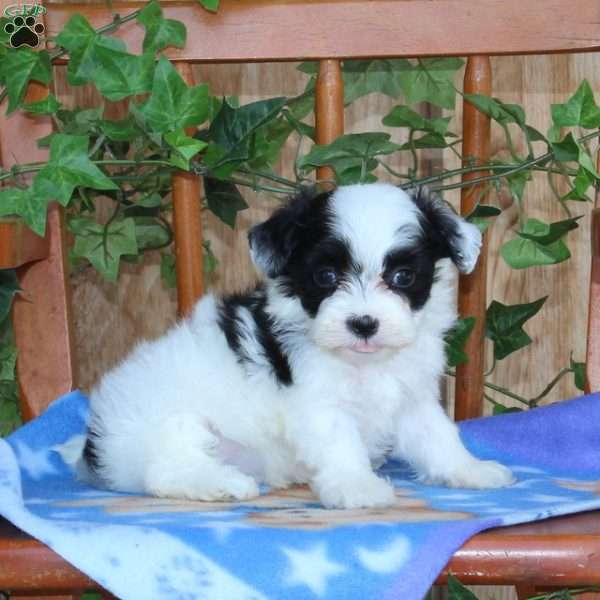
[(392, 171), (506, 392), (259, 188), (270, 176), (534, 401)]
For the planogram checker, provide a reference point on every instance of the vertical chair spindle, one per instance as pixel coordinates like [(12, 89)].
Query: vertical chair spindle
[(592, 370), (187, 226), (329, 108), (472, 287)]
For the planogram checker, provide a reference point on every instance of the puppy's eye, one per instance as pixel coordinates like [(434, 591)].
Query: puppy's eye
[(402, 278), (326, 278)]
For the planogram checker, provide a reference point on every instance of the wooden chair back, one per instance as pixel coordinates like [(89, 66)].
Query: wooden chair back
[(380, 29)]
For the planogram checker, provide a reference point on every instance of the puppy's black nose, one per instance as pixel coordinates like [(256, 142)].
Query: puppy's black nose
[(365, 326)]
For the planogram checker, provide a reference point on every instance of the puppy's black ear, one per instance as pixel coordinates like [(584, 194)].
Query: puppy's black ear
[(461, 240), (273, 242)]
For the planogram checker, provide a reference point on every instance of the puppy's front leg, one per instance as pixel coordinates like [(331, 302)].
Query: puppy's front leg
[(329, 444), (430, 442)]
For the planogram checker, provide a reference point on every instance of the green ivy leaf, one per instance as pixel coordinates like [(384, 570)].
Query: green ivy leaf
[(581, 109), (119, 74), (516, 184), (224, 200), (481, 214), (403, 116), (82, 42), (69, 167), (167, 270), (18, 68), (523, 253), (237, 136), (233, 126), (457, 591), (429, 140), (456, 339), (8, 360), (567, 150), (534, 135), (364, 77), (9, 287), (431, 80), (150, 233), (301, 127), (151, 200), (212, 5), (349, 151), (351, 171), (544, 233), (500, 409), (160, 32), (102, 245), (47, 106), (268, 141), (104, 60), (80, 121), (585, 160), (185, 148), (578, 374), (538, 244), (10, 418), (124, 130), (26, 203), (581, 184), (504, 326), (172, 104), (496, 109)]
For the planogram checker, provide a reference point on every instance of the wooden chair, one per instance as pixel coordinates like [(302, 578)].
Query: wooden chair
[(559, 552)]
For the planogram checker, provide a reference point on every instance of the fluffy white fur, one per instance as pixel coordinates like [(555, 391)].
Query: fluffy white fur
[(181, 417)]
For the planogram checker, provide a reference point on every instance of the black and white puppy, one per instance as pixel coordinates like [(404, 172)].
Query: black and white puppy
[(329, 366)]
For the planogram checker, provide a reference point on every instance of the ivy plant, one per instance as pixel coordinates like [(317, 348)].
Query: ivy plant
[(171, 126)]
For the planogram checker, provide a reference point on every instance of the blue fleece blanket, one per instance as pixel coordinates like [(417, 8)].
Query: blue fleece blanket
[(283, 544)]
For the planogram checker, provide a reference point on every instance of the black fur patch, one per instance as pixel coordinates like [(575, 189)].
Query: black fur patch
[(296, 242), (441, 224), (265, 330), (90, 451), (421, 259)]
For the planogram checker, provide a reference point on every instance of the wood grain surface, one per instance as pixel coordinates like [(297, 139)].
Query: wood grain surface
[(291, 29)]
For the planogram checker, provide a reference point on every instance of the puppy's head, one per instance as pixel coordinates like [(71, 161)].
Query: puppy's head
[(361, 261)]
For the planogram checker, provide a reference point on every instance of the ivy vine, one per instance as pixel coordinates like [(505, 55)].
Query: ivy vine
[(171, 126)]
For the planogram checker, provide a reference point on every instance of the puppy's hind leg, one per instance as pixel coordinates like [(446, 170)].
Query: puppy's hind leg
[(185, 464)]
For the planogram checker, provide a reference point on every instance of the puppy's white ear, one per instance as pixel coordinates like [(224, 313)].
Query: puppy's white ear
[(461, 239), (272, 243)]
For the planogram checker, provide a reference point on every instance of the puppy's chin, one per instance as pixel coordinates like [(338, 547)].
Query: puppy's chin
[(366, 354), (358, 352)]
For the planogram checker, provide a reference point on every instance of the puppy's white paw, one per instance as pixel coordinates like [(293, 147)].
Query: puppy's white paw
[(363, 492), (206, 485), (237, 486), (481, 474)]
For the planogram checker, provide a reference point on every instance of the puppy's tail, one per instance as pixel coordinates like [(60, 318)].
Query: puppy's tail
[(74, 453)]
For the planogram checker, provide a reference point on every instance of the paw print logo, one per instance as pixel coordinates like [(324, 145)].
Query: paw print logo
[(24, 31)]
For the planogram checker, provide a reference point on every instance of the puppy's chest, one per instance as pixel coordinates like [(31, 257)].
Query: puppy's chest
[(374, 398)]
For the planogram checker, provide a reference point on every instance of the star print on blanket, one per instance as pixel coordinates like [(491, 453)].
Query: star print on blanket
[(284, 544)]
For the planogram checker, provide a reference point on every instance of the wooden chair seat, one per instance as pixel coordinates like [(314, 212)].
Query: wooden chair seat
[(561, 552)]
